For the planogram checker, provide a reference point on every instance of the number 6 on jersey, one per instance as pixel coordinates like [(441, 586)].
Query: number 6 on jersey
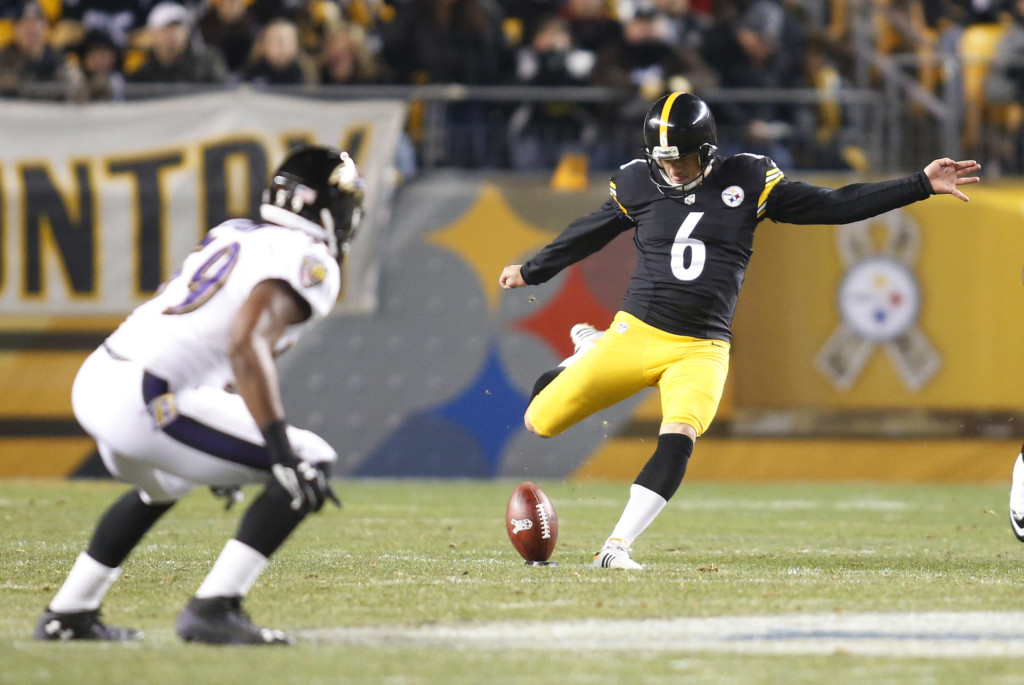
[(683, 243)]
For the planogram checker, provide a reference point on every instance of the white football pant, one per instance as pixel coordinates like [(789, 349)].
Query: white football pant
[(206, 435)]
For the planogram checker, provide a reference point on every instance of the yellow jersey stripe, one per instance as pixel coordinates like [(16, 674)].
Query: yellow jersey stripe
[(772, 177), (613, 191)]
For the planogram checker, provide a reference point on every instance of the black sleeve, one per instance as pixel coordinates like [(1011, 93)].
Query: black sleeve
[(581, 238), (794, 202)]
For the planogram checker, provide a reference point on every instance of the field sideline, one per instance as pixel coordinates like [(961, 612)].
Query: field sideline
[(416, 582)]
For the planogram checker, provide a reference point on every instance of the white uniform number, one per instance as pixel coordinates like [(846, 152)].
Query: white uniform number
[(208, 279), (688, 254)]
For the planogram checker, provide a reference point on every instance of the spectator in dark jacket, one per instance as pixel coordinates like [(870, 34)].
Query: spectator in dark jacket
[(452, 41), (754, 44), (446, 41), (540, 133), (229, 26), (119, 19), (29, 63), (100, 63), (172, 58)]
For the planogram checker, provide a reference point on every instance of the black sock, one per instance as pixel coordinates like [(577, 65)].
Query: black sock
[(664, 471), (544, 380), (269, 520), (121, 528)]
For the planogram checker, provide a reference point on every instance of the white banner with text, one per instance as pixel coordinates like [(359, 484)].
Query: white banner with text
[(99, 203)]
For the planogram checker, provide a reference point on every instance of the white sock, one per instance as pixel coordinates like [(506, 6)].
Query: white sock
[(642, 508), (85, 586), (571, 359), (237, 568), (574, 357)]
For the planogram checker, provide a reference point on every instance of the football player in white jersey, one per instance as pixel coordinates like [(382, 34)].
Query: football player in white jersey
[(153, 397)]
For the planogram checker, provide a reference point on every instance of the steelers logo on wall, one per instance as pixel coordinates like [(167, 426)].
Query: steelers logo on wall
[(879, 298), (879, 301)]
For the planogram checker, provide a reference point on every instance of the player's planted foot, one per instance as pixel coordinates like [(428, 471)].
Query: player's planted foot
[(583, 336), (1017, 498), (615, 554), (223, 621), (80, 625)]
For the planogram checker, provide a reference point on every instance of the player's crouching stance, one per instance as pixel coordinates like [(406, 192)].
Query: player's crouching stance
[(152, 397)]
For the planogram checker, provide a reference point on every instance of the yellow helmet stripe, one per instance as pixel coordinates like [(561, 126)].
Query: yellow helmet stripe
[(663, 128)]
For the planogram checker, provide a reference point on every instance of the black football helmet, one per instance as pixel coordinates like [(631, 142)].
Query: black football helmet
[(318, 190), (677, 125)]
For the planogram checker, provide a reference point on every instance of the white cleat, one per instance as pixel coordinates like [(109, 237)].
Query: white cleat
[(615, 554), (583, 336), (1017, 498)]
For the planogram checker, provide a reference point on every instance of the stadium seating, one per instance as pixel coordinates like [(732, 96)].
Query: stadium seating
[(976, 49)]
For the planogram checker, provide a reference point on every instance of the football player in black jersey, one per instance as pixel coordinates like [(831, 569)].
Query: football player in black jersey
[(693, 215)]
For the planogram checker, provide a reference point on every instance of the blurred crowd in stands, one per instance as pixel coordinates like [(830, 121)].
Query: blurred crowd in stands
[(92, 48)]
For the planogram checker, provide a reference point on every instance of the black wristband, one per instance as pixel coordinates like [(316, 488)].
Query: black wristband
[(275, 434)]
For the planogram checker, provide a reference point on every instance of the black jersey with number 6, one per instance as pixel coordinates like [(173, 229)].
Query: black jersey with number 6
[(692, 252)]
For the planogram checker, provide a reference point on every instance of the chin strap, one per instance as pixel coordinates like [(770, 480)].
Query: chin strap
[(282, 217), (692, 185), (675, 190)]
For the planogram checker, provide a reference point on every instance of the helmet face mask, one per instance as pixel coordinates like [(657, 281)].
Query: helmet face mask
[(318, 190), (678, 125), (681, 170)]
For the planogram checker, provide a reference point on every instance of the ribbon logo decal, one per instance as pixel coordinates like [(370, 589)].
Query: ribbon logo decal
[(879, 301)]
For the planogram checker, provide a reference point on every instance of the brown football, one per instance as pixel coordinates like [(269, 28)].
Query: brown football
[(531, 522)]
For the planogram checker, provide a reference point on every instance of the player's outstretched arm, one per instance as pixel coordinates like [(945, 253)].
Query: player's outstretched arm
[(946, 174), (512, 277)]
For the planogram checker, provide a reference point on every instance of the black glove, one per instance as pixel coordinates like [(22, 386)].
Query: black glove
[(232, 494), (305, 481)]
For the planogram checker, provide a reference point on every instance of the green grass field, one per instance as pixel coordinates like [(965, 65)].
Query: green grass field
[(424, 557)]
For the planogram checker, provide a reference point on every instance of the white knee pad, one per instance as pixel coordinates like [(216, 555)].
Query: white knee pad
[(155, 486)]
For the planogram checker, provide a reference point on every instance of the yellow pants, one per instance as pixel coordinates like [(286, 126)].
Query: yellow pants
[(629, 357)]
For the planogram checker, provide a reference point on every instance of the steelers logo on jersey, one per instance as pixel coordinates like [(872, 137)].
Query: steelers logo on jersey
[(313, 272), (732, 196)]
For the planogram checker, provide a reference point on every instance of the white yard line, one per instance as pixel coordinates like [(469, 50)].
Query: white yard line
[(952, 635)]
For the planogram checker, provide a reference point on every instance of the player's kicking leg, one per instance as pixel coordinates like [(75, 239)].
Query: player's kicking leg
[(584, 337)]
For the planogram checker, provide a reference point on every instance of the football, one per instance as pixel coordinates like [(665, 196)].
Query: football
[(532, 524)]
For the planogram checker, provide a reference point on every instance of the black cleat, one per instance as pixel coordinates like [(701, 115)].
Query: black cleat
[(80, 625), (223, 621)]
